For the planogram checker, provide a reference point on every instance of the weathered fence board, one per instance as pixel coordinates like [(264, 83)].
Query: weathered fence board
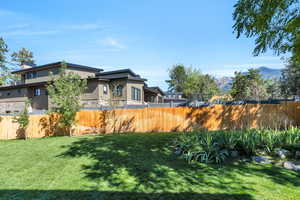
[(161, 120)]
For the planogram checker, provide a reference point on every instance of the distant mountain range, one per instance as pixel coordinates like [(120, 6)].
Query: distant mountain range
[(224, 83)]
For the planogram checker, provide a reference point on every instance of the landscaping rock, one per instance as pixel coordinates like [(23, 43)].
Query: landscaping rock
[(297, 167), (282, 153), (297, 154), (261, 159), (289, 165), (177, 151), (234, 154)]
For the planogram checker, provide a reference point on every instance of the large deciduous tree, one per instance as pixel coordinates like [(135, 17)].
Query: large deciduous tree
[(65, 90), (192, 83), (249, 86), (274, 23)]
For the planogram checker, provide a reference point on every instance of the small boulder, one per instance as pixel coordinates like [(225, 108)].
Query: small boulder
[(289, 165), (261, 159), (234, 154), (297, 154), (282, 153), (297, 167), (177, 151)]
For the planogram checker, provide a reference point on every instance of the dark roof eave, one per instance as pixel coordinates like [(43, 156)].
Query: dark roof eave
[(117, 72), (56, 64), (23, 85), (155, 90)]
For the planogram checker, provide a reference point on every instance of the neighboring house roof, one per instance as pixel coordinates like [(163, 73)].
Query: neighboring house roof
[(155, 90), (173, 93), (57, 64), (120, 74)]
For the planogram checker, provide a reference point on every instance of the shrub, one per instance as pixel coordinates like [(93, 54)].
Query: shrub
[(23, 120), (215, 146)]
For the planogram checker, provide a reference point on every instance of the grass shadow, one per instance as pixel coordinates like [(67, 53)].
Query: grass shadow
[(136, 161), (115, 195)]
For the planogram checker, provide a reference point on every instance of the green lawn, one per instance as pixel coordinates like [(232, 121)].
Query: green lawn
[(130, 166)]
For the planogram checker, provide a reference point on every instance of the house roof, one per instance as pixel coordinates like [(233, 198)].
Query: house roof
[(120, 74), (57, 64), (154, 90), (40, 84)]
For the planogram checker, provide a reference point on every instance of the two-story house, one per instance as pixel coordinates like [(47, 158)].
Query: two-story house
[(111, 88)]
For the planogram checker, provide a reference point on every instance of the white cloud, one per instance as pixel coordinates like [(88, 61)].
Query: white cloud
[(30, 33), (267, 58), (111, 42), (254, 65), (6, 13), (83, 27), (18, 26)]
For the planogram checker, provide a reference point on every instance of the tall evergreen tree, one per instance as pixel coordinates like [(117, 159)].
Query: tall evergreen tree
[(22, 56), (4, 69), (177, 76), (290, 80)]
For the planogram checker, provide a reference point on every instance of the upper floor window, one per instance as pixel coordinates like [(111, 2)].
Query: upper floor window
[(135, 94), (105, 90), (118, 91), (37, 92), (30, 75)]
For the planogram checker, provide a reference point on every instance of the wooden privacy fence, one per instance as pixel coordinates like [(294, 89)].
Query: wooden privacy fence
[(162, 120)]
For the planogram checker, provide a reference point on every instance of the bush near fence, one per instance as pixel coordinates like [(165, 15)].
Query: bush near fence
[(216, 117)]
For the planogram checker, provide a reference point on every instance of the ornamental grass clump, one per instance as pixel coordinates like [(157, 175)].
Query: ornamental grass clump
[(216, 146)]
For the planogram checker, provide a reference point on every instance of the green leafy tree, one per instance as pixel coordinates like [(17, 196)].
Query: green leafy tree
[(290, 80), (64, 91), (177, 76), (22, 56), (273, 89), (23, 120), (274, 23), (197, 85), (249, 86)]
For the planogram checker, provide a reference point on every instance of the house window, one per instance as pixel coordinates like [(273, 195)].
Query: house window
[(37, 92), (135, 94), (30, 75), (118, 91), (105, 89), (152, 99)]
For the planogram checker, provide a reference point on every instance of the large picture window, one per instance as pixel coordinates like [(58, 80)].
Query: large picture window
[(135, 94)]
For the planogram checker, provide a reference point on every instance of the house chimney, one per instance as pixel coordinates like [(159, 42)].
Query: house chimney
[(26, 65)]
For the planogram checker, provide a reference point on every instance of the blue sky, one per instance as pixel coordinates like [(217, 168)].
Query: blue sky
[(146, 36)]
